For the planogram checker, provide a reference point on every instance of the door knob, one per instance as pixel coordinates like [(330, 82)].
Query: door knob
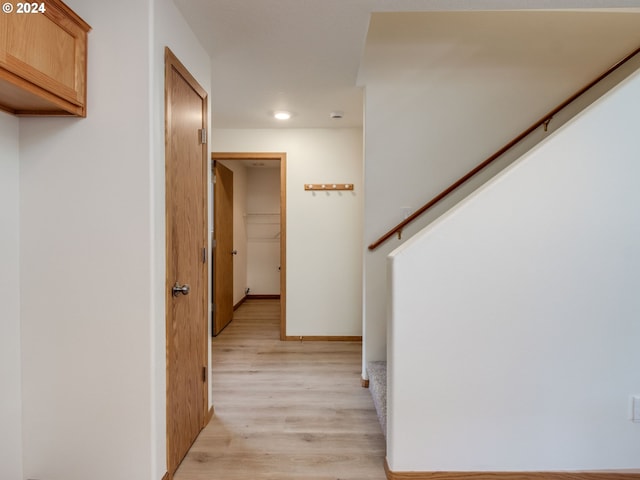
[(234, 252), (178, 289)]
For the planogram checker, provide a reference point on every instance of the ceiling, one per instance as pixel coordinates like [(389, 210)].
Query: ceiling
[(304, 56)]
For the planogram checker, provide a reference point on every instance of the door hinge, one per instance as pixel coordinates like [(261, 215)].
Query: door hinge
[(203, 135), (204, 254), (204, 374)]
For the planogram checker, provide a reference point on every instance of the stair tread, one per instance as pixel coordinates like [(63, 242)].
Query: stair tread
[(377, 372)]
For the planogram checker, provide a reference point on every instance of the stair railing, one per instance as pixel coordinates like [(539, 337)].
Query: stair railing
[(543, 121)]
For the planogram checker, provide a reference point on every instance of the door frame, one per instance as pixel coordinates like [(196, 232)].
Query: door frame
[(173, 64), (282, 157)]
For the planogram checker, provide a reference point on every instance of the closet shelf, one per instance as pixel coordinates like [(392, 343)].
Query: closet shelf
[(263, 226)]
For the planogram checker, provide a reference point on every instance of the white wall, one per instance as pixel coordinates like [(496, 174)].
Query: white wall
[(263, 274), (85, 265), (10, 361), (324, 230), (514, 318), (92, 255)]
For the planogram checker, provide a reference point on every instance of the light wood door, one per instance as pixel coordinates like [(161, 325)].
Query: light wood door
[(187, 280), (223, 252)]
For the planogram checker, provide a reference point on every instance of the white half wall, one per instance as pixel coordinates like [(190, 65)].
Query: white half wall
[(10, 361), (514, 332), (324, 230)]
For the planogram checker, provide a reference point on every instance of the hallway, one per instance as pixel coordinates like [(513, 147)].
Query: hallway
[(285, 410)]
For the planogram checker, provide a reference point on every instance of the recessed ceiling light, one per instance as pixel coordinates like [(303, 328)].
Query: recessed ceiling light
[(282, 115)]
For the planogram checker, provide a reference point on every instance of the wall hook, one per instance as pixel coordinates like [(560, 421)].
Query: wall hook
[(328, 187)]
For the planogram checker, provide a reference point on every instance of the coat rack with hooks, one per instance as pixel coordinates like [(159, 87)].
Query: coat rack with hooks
[(328, 186)]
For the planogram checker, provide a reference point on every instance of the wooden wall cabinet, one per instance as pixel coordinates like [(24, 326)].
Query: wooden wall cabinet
[(43, 61)]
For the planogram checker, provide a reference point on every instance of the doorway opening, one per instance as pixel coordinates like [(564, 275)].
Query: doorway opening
[(261, 235)]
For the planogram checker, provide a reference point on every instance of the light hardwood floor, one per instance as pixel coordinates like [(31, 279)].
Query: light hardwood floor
[(285, 410)]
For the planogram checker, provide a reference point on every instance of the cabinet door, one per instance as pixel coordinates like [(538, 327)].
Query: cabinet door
[(43, 60)]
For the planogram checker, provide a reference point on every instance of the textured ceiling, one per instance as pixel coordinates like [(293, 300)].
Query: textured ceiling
[(304, 55)]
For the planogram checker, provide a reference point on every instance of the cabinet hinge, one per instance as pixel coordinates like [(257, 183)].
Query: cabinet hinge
[(203, 135)]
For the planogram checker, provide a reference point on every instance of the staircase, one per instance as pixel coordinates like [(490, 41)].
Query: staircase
[(486, 170), (377, 372)]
